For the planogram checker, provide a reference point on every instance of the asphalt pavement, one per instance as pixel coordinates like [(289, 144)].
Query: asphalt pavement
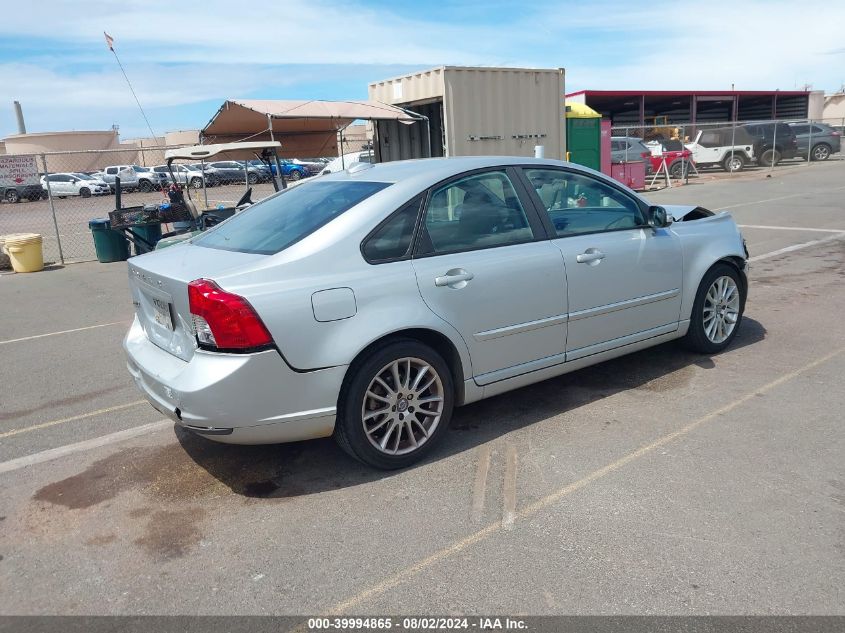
[(663, 482)]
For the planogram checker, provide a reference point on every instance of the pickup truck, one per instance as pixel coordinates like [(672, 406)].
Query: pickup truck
[(19, 179), (729, 148), (133, 177)]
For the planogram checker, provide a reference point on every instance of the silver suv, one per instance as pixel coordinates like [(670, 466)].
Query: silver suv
[(184, 175), (134, 177)]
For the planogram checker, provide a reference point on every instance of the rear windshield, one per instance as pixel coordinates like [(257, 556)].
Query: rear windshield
[(274, 224)]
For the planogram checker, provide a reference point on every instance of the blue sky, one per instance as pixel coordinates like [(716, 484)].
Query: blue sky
[(184, 58)]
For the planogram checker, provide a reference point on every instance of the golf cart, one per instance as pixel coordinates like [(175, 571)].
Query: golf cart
[(181, 210)]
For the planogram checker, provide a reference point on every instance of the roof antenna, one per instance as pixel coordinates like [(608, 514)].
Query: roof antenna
[(110, 44)]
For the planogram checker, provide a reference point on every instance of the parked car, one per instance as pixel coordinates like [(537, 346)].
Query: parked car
[(677, 157), (134, 177), (346, 161), (368, 303), (74, 184), (212, 176), (184, 175), (777, 141), (232, 171), (630, 149), (826, 140), (290, 170), (731, 148), (15, 193)]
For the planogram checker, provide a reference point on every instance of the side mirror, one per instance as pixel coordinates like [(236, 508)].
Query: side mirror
[(658, 217)]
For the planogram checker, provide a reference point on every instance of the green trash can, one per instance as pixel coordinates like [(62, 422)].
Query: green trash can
[(110, 245), (151, 233)]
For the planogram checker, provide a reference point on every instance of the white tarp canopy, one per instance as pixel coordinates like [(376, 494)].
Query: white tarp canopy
[(228, 150), (305, 128)]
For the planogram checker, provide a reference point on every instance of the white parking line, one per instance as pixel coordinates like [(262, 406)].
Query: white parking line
[(792, 195), (73, 418), (788, 228), (61, 451), (796, 247), (79, 329)]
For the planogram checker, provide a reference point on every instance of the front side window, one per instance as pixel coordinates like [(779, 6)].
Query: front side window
[(577, 203), (274, 224), (478, 211), (392, 240)]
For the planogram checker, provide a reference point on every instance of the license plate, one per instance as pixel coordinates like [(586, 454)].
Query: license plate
[(161, 313)]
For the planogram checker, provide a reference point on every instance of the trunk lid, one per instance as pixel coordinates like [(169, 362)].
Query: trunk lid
[(159, 282)]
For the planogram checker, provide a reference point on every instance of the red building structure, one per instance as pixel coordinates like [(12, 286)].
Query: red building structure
[(642, 107)]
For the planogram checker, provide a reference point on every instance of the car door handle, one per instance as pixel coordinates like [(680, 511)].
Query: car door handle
[(454, 277), (591, 255)]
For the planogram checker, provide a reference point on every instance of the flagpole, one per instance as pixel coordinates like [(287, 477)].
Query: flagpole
[(109, 41)]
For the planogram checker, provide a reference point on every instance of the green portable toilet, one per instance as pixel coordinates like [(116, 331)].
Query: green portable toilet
[(583, 135)]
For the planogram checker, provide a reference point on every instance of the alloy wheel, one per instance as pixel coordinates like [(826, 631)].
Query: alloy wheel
[(402, 406), (821, 152), (721, 309)]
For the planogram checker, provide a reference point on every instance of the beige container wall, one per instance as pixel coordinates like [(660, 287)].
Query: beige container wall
[(523, 107), (410, 89)]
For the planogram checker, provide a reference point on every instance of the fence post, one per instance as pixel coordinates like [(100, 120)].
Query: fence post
[(52, 208), (774, 145), (246, 176), (810, 141), (733, 144)]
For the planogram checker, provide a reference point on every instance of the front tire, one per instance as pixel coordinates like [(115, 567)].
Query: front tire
[(395, 405), (252, 179), (145, 186), (196, 182), (717, 310), (734, 163), (85, 192), (295, 175), (12, 196)]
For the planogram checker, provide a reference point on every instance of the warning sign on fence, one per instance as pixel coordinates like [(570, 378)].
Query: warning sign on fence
[(18, 170)]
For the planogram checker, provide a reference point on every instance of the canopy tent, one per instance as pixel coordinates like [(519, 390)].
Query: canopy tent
[(305, 128)]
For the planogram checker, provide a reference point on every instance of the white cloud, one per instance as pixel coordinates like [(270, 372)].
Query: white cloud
[(191, 52)]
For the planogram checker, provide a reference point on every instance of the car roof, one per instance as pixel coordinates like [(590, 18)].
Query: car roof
[(436, 169)]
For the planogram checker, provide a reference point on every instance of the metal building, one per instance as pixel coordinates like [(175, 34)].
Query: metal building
[(473, 112), (642, 107)]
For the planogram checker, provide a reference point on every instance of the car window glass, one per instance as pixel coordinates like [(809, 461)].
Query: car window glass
[(111, 170), (818, 130), (578, 203), (392, 240), (478, 211), (276, 222), (801, 129), (709, 139)]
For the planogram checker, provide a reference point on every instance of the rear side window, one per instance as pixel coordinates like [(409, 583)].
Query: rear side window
[(392, 240), (277, 222)]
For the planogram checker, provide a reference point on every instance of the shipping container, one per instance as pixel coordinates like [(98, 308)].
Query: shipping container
[(473, 112)]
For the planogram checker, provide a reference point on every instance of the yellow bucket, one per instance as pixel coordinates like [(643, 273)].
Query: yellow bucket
[(24, 251)]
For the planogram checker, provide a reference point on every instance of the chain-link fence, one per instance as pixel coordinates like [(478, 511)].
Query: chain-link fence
[(72, 188), (674, 151)]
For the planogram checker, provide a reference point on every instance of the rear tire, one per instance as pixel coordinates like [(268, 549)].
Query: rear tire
[(12, 196), (717, 310), (769, 158), (409, 415), (820, 152), (252, 179), (733, 163)]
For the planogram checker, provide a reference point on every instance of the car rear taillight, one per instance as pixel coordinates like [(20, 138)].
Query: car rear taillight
[(835, 133), (645, 154), (225, 321)]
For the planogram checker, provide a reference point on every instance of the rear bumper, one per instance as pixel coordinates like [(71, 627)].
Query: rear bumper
[(235, 398)]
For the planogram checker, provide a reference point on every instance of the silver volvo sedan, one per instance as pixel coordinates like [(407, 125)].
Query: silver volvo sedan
[(369, 303)]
